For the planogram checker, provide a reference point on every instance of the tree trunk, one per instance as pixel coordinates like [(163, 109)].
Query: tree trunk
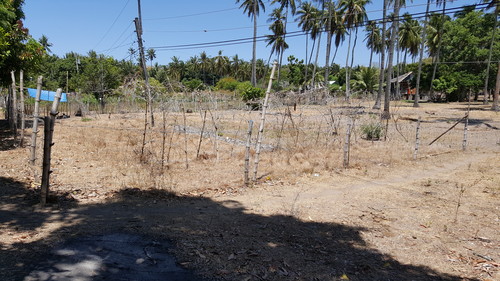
[(21, 101), (421, 56), (349, 70), (347, 86), (378, 100), (436, 61), (254, 49), (386, 114), (485, 90), (497, 90), (316, 60), (328, 44)]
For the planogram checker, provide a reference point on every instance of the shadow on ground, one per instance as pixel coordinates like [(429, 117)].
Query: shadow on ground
[(217, 240)]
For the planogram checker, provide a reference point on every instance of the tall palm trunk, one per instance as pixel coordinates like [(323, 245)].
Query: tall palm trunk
[(485, 91), (254, 50), (436, 60), (386, 114), (307, 53), (398, 86), (497, 90), (316, 60), (378, 100), (349, 70), (421, 56), (328, 43), (347, 82)]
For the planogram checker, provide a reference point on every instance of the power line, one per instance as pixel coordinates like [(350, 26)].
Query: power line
[(113, 24), (291, 34), (191, 15)]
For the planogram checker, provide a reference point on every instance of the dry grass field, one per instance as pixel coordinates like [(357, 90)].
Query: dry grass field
[(387, 216)]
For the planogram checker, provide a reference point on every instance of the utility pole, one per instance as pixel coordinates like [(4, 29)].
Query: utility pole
[(138, 30)]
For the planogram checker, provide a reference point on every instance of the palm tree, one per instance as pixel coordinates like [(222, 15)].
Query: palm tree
[(353, 14), (252, 9), (205, 64), (421, 55), (495, 4), (409, 36), (386, 113), (221, 64), (44, 41), (131, 52), (176, 68), (286, 5), (151, 55), (440, 36), (307, 18), (373, 39), (277, 39), (378, 100), (334, 27)]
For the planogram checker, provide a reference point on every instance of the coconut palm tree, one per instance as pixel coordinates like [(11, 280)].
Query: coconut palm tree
[(409, 36), (373, 39), (221, 64), (44, 41), (308, 14), (353, 15), (421, 55), (151, 55), (205, 65), (386, 113), (252, 9), (286, 5), (277, 39), (335, 27), (378, 100)]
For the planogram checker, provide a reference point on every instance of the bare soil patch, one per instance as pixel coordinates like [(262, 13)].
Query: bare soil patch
[(386, 217)]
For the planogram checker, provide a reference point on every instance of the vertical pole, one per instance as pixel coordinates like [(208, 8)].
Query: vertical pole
[(247, 152), (21, 101), (417, 140), (466, 125), (262, 121), (35, 120), (14, 105), (138, 29), (47, 146), (347, 145)]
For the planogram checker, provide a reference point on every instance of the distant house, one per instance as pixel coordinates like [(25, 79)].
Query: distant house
[(404, 86)]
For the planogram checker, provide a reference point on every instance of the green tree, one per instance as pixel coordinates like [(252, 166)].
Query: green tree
[(252, 9), (277, 39), (44, 41), (151, 55)]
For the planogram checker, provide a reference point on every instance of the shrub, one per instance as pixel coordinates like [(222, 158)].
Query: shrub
[(227, 83), (249, 92), (372, 131), (193, 84)]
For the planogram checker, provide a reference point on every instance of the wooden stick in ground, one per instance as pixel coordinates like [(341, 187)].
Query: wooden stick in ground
[(216, 143), (466, 126), (247, 153), (185, 135), (417, 140), (47, 146), (262, 121), (164, 137), (454, 125), (21, 102), (201, 134), (347, 145), (14, 106), (35, 120)]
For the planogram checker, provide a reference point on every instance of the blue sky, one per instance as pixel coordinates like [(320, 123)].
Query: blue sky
[(106, 26)]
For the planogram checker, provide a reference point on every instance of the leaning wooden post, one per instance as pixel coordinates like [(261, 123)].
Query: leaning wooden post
[(14, 105), (47, 146), (21, 101), (247, 152), (417, 140), (262, 121), (35, 120)]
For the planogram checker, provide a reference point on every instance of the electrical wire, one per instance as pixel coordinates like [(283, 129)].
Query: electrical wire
[(113, 24), (291, 34)]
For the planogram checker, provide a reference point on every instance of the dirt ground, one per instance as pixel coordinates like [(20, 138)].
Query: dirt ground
[(385, 217)]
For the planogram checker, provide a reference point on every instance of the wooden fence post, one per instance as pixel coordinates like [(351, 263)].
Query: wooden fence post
[(35, 120), (417, 140), (47, 146), (347, 145), (247, 152), (14, 106), (21, 101), (262, 121), (466, 126)]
